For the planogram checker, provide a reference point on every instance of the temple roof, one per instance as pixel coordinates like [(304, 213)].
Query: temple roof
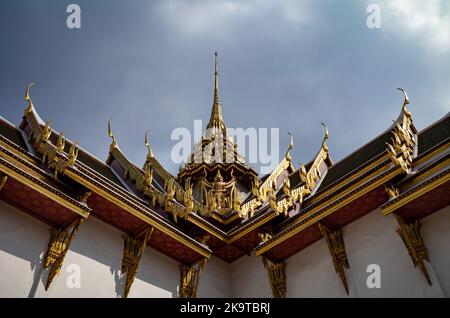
[(34, 157), (434, 134)]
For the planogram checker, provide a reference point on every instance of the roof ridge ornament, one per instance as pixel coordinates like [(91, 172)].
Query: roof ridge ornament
[(110, 134), (150, 152), (28, 98), (291, 146), (406, 112), (325, 137)]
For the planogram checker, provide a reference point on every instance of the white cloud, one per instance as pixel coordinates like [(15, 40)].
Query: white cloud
[(205, 17), (426, 21)]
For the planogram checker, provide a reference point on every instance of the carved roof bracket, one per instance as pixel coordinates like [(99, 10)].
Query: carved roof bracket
[(133, 249), (276, 272), (190, 278), (59, 244), (414, 243), (336, 247)]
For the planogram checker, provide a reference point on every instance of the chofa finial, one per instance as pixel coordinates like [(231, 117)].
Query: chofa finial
[(150, 152), (28, 98), (291, 146), (110, 134), (405, 102), (325, 137)]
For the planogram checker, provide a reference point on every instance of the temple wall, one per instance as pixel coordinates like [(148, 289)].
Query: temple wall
[(370, 240), (373, 240), (436, 234), (248, 278), (23, 241), (97, 253)]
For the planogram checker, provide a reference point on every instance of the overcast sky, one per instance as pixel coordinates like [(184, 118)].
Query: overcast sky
[(283, 64)]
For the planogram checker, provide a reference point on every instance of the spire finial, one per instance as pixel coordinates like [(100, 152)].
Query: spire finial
[(216, 119), (216, 72)]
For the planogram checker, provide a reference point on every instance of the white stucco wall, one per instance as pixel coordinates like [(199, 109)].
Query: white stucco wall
[(370, 240), (248, 278), (436, 234), (373, 240), (97, 251), (214, 279), (311, 273), (23, 240)]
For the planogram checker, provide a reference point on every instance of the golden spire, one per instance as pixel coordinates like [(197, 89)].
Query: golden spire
[(28, 98), (216, 119)]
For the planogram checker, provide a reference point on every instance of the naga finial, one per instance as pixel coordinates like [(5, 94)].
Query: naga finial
[(28, 98), (325, 137), (110, 134), (291, 146), (150, 152), (405, 102)]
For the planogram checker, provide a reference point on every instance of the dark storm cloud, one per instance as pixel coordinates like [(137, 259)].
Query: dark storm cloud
[(285, 64)]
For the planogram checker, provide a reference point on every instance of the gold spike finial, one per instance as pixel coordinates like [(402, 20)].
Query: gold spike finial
[(325, 137), (110, 134), (150, 152), (216, 119), (405, 102), (28, 98), (216, 72)]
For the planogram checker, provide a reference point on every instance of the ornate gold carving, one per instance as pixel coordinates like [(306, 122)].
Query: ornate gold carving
[(133, 249), (60, 144), (255, 188), (392, 191), (336, 246), (220, 195), (3, 179), (264, 237), (277, 277), (42, 138), (58, 163), (188, 200), (266, 191), (189, 279), (401, 150), (262, 192), (58, 246), (412, 238), (148, 177)]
